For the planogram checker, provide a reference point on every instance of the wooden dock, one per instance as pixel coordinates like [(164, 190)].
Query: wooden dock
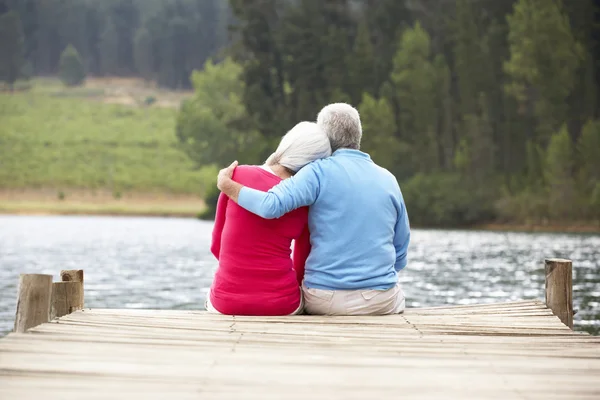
[(518, 350), (500, 351)]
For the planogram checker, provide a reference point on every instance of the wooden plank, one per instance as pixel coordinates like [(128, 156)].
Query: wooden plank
[(482, 352)]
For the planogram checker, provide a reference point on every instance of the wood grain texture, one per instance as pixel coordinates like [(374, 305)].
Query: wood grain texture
[(33, 301), (517, 350), (66, 298), (559, 289)]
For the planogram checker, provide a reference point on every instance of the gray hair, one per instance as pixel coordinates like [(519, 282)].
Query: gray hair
[(304, 143), (341, 124)]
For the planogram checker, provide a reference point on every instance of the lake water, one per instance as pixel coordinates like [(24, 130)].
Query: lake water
[(166, 263)]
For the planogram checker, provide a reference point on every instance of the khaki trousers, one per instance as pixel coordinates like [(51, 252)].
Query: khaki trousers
[(354, 302)]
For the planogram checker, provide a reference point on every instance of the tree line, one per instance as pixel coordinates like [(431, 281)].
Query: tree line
[(483, 109), (159, 40)]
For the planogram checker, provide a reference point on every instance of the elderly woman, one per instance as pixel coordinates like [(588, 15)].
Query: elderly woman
[(256, 274)]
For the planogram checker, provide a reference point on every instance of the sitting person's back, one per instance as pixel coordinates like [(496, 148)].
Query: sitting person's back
[(256, 275), (352, 223)]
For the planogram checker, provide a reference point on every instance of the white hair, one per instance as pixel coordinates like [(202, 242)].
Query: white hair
[(341, 124), (304, 143)]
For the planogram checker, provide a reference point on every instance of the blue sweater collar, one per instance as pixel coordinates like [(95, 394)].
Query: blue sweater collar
[(351, 153)]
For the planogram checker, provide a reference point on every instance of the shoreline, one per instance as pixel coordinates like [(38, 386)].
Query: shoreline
[(103, 204), (100, 213), (172, 208), (540, 228)]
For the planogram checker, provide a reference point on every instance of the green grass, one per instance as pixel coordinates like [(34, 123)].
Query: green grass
[(50, 140)]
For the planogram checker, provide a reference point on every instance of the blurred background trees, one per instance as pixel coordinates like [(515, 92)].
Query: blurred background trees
[(483, 109), (11, 47), (71, 70), (162, 40)]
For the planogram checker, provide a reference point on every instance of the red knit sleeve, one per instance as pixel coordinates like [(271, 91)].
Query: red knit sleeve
[(301, 252), (215, 247)]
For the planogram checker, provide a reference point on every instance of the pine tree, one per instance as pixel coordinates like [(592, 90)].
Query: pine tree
[(362, 65), (379, 133), (174, 63), (479, 135), (468, 57), (71, 69), (11, 47), (143, 54), (28, 14), (265, 95), (109, 50), (588, 147), (583, 15), (415, 79), (445, 138), (544, 57), (124, 16), (558, 170), (387, 19), (93, 25), (317, 41), (535, 160)]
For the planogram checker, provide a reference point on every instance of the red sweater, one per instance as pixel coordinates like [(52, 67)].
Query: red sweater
[(256, 274)]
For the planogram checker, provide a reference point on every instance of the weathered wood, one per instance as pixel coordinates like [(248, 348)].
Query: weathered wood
[(449, 353), (71, 275), (33, 301), (75, 275), (66, 298), (559, 289)]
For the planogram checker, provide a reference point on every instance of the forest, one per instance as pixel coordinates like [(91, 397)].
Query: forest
[(484, 110), (158, 40)]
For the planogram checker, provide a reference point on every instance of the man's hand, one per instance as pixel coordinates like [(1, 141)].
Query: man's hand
[(226, 184), (225, 175)]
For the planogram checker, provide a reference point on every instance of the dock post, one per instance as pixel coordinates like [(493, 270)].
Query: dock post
[(67, 296), (33, 301), (559, 289)]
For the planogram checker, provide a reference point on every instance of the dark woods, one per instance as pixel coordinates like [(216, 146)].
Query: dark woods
[(159, 40), (485, 110)]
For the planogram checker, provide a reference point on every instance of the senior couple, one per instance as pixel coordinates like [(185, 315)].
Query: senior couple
[(344, 215)]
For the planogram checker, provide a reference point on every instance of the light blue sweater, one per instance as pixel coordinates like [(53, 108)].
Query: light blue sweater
[(359, 228)]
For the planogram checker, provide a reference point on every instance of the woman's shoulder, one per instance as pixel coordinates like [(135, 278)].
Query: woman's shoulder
[(251, 175), (247, 170)]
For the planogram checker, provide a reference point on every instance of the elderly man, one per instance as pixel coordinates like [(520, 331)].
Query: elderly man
[(358, 222)]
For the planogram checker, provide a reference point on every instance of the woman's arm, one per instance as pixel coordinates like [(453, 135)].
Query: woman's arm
[(301, 252), (215, 247)]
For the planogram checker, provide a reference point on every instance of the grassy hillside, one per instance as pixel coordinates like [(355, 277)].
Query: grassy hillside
[(78, 140), (64, 139)]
